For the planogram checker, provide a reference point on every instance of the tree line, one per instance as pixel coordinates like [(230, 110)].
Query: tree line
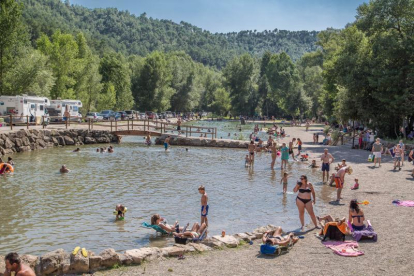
[(361, 73)]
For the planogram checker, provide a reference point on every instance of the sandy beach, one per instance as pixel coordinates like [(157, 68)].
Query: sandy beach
[(391, 255)]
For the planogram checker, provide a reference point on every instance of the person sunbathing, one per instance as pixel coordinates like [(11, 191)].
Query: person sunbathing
[(329, 220), (195, 232), (158, 220), (356, 216), (275, 238)]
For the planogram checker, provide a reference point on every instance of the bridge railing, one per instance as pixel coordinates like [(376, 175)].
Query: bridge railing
[(147, 125)]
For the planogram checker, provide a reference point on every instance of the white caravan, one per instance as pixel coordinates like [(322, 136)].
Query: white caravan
[(63, 108), (22, 106)]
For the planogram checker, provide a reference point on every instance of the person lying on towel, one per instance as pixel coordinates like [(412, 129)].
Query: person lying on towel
[(275, 238), (328, 220), (195, 232)]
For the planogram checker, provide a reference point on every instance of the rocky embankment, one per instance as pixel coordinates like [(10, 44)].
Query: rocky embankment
[(202, 142), (27, 140), (60, 262)]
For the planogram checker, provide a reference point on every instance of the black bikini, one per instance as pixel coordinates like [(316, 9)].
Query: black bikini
[(359, 218), (304, 191)]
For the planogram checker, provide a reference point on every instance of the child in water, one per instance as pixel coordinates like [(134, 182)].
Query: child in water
[(313, 165), (247, 161), (285, 182), (120, 211)]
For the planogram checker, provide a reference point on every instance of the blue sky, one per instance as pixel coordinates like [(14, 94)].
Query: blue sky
[(237, 15)]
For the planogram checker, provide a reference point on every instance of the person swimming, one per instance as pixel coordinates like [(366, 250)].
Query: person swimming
[(63, 169)]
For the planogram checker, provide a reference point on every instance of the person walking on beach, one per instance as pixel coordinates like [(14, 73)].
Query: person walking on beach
[(327, 159), (167, 142), (304, 200), (285, 155), (291, 148), (376, 150), (14, 264), (340, 180), (252, 149), (204, 205), (402, 146)]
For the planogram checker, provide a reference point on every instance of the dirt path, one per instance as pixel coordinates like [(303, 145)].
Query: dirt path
[(391, 255)]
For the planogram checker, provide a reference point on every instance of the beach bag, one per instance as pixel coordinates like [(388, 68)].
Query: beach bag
[(268, 249), (333, 233), (371, 158)]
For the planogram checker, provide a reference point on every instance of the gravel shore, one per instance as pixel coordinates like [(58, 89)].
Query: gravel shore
[(391, 255)]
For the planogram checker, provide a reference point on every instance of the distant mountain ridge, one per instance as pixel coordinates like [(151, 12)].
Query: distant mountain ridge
[(140, 35)]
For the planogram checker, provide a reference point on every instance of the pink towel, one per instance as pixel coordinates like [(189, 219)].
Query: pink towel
[(346, 248), (405, 203)]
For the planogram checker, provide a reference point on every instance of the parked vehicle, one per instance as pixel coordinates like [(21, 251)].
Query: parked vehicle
[(23, 106), (131, 114), (95, 116), (168, 114), (163, 115), (117, 115), (150, 115), (59, 110), (123, 115), (107, 114), (142, 116)]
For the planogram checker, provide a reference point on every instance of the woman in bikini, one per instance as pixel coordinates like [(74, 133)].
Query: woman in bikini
[(158, 220), (304, 200), (356, 216), (276, 237)]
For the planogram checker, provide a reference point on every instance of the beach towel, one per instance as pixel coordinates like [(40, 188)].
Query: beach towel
[(344, 248), (366, 233), (155, 227), (405, 203)]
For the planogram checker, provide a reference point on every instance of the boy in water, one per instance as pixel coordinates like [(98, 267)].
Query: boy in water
[(121, 210), (247, 161), (285, 182), (204, 205), (166, 142)]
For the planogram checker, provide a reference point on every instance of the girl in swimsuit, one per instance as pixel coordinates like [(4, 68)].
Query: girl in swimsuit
[(304, 200), (356, 216)]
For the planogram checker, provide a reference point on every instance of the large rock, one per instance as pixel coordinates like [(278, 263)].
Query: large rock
[(79, 263), (125, 259), (18, 142), (30, 260), (227, 240), (51, 262), (212, 243), (199, 247), (145, 253), (2, 265), (61, 140), (95, 262), (68, 140), (90, 140), (173, 251), (243, 236), (109, 258)]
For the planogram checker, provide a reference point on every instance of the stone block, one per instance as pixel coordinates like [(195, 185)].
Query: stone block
[(95, 262), (227, 240), (145, 253), (79, 263), (51, 262), (109, 258)]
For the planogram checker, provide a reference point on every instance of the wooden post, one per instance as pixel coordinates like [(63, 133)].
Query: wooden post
[(116, 125), (11, 122), (186, 131), (43, 121), (128, 124), (111, 124), (27, 121), (89, 124), (69, 120), (190, 130), (132, 123)]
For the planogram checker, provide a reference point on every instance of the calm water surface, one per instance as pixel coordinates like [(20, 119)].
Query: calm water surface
[(43, 210)]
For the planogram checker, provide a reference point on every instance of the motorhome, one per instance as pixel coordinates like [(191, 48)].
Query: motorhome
[(59, 110), (22, 106)]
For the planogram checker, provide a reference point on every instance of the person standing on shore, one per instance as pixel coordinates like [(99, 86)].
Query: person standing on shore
[(340, 180), (304, 200), (327, 159), (179, 126), (252, 149), (204, 205), (376, 150), (402, 146), (285, 155), (15, 265), (291, 148), (397, 158), (167, 142)]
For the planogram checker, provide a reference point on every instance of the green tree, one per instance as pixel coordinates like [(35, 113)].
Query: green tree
[(221, 104), (114, 69), (12, 35), (107, 98)]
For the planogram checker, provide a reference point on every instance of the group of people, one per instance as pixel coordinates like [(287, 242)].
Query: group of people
[(6, 167), (197, 228)]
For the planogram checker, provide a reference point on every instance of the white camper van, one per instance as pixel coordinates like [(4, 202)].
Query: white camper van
[(22, 106), (62, 108)]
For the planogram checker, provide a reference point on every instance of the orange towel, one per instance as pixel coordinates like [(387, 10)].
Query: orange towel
[(342, 227)]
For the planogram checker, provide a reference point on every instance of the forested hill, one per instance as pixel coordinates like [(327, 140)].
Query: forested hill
[(129, 34)]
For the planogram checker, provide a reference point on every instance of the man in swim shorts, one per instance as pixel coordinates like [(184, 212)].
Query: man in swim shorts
[(15, 265), (167, 142), (340, 180), (327, 159), (291, 148)]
